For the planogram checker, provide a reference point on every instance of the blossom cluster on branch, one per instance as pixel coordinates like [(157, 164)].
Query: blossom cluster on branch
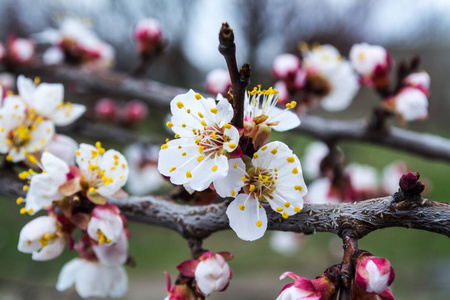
[(220, 149)]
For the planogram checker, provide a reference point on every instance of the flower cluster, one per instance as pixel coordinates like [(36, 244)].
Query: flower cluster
[(75, 196), (74, 43), (206, 152), (28, 120), (322, 76)]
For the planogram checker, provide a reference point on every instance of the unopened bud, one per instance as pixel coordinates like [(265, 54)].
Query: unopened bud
[(218, 82), (148, 36), (408, 181), (285, 66), (374, 274), (135, 112), (106, 109)]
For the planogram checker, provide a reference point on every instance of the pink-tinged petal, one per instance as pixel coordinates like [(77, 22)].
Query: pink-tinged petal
[(290, 274), (80, 220), (212, 274), (374, 274), (187, 268), (218, 81), (168, 281), (70, 187), (226, 255), (244, 222), (96, 198)]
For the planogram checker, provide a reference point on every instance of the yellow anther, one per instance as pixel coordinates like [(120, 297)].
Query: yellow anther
[(242, 207), (232, 146), (298, 187), (214, 110), (295, 171), (37, 80), (297, 209), (200, 115), (98, 145), (213, 135), (23, 210), (233, 193), (197, 141), (169, 124), (259, 223), (124, 166), (203, 123), (19, 200), (183, 125), (227, 126), (214, 168), (285, 215), (200, 158), (188, 111), (91, 190), (167, 140), (264, 148), (23, 175), (164, 146), (32, 159), (290, 159), (188, 174), (252, 188), (26, 187), (176, 135), (30, 211), (235, 165), (279, 209), (113, 168), (172, 169), (274, 151), (287, 204), (200, 149), (180, 105), (255, 155), (198, 96), (243, 178), (184, 153)]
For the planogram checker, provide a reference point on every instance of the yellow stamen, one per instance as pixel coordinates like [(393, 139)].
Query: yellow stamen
[(198, 96), (200, 158), (290, 159), (297, 209), (295, 171), (242, 207), (214, 168), (298, 187), (164, 146), (285, 215), (169, 124), (214, 110), (188, 174), (180, 105), (259, 223), (172, 169)]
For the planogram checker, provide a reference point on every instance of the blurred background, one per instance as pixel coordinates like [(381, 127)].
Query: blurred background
[(262, 29)]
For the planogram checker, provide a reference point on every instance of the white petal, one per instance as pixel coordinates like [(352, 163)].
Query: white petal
[(117, 169), (52, 250), (243, 222), (47, 97), (17, 154), (212, 274), (55, 167), (84, 157), (224, 111), (42, 192), (26, 88), (53, 56), (66, 278), (233, 181), (67, 114), (12, 113), (114, 255), (207, 171), (112, 228), (233, 135), (288, 120), (63, 147)]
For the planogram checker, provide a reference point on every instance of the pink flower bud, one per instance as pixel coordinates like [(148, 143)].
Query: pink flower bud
[(211, 271), (408, 181), (374, 274), (148, 35), (135, 112), (106, 109), (419, 80), (303, 288), (285, 66), (360, 294), (218, 82), (411, 104), (20, 50)]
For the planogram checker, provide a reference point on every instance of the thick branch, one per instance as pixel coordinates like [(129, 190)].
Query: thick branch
[(201, 221), (154, 93)]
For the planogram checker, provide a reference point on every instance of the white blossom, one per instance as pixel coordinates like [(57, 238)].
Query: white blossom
[(411, 104), (338, 82), (40, 237), (93, 279), (366, 58), (63, 147), (363, 178), (106, 225), (285, 66), (274, 177), (314, 154), (218, 81), (204, 136), (46, 100), (212, 274)]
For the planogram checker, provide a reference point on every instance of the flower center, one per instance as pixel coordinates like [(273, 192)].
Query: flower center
[(20, 136), (211, 140), (261, 184)]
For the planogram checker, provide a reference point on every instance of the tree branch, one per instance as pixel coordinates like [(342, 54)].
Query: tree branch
[(198, 222), (154, 93)]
